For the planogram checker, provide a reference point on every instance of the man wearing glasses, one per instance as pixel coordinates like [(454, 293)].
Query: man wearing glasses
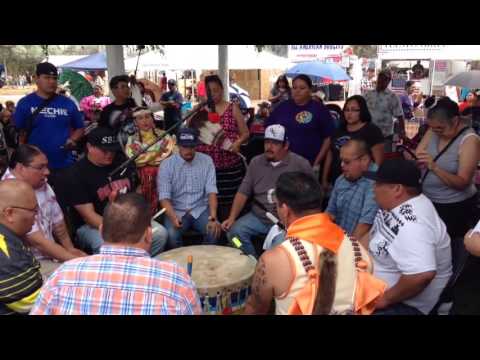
[(20, 277), (352, 203), (31, 165)]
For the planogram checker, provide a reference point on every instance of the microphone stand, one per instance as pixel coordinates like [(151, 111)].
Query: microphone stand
[(125, 164)]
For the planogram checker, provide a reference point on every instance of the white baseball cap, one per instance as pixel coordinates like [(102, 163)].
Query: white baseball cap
[(276, 132)]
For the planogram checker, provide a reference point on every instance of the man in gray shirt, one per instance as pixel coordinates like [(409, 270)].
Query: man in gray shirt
[(262, 174)]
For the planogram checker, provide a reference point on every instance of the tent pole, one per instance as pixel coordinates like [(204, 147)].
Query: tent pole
[(223, 69), (433, 78)]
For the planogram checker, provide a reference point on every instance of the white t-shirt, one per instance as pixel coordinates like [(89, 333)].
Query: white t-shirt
[(49, 213), (408, 240)]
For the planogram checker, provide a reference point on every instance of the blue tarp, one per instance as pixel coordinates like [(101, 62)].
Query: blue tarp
[(96, 61)]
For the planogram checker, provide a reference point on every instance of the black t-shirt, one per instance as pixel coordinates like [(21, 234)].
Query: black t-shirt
[(370, 133), (88, 183), (116, 116), (171, 114)]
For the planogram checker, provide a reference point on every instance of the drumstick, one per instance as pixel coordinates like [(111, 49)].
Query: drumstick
[(159, 213), (238, 244), (189, 264)]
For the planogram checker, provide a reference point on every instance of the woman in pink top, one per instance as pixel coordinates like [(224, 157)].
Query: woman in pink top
[(92, 105), (229, 166)]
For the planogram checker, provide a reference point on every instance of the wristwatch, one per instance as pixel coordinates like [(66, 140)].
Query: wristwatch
[(211, 218)]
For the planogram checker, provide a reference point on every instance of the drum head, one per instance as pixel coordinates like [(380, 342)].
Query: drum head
[(214, 267)]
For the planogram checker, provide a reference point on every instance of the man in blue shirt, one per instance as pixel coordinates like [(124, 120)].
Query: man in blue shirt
[(187, 189), (172, 102), (352, 203), (57, 127)]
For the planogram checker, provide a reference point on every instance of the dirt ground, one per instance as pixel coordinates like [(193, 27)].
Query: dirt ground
[(10, 93)]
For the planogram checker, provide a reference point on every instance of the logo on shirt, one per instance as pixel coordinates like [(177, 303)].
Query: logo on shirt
[(122, 185), (51, 112), (342, 140), (407, 211), (304, 117)]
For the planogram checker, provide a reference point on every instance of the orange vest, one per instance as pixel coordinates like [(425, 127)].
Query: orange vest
[(356, 290)]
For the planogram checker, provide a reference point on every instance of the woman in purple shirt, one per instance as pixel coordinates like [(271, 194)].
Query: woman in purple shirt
[(308, 122)]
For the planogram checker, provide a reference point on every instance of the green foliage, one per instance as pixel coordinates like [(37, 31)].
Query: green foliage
[(365, 51), (280, 50)]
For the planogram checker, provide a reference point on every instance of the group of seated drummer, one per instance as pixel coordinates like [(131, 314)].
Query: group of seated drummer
[(374, 219), (379, 247)]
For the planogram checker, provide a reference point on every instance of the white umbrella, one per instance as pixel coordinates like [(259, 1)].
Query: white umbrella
[(466, 79)]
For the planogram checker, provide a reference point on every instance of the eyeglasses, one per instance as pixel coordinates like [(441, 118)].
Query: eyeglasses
[(38, 168), (348, 162), (34, 210), (351, 110)]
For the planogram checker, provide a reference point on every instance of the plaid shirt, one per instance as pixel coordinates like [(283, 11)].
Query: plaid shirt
[(353, 203), (187, 184), (118, 281)]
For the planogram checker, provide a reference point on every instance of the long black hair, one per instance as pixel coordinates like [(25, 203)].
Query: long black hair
[(365, 115), (213, 79), (305, 78), (24, 155), (285, 80)]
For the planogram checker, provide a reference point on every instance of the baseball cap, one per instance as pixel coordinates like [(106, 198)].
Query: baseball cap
[(276, 132), (172, 82), (104, 138), (396, 171), (46, 68), (187, 137)]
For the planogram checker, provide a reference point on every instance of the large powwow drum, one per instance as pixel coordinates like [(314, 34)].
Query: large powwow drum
[(221, 274)]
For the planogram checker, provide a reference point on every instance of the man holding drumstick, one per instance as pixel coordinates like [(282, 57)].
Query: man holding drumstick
[(187, 189)]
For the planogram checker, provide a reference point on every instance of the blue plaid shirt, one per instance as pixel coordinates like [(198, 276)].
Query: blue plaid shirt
[(353, 203), (187, 185)]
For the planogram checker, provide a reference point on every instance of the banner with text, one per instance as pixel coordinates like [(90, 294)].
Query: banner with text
[(299, 53)]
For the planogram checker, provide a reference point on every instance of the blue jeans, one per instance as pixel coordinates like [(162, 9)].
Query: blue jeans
[(398, 309), (90, 239), (175, 235), (250, 225)]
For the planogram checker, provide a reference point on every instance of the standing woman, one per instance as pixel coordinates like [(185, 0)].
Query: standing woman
[(356, 123), (280, 92), (229, 165), (449, 181), (148, 163), (308, 122)]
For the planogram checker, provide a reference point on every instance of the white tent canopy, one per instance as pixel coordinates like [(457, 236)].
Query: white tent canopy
[(59, 60), (203, 57), (152, 60), (433, 52)]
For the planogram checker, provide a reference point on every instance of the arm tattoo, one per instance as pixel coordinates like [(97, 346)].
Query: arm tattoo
[(259, 280), (61, 233)]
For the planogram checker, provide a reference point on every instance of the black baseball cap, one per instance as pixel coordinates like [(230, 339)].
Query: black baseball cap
[(172, 82), (187, 137), (104, 138), (396, 171), (46, 68)]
